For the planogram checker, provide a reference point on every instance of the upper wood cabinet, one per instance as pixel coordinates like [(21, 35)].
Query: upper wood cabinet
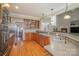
[(31, 24)]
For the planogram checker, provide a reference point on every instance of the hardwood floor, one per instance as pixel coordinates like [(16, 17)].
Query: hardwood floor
[(28, 48)]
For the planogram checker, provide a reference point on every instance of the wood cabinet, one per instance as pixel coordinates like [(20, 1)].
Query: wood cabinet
[(40, 39), (43, 40), (35, 36), (28, 36), (31, 24)]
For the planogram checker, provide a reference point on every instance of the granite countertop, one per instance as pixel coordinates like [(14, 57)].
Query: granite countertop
[(74, 36), (43, 34)]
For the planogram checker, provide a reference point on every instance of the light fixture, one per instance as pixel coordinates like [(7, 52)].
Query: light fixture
[(51, 17), (51, 11), (16, 7), (6, 5), (67, 16), (43, 15)]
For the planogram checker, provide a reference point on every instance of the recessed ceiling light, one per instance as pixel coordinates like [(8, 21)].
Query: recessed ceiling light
[(16, 7), (7, 5)]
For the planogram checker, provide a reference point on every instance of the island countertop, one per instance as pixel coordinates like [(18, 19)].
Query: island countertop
[(73, 36)]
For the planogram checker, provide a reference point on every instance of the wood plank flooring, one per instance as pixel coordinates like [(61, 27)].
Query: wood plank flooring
[(28, 48)]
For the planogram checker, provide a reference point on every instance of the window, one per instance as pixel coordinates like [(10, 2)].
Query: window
[(45, 26), (53, 20)]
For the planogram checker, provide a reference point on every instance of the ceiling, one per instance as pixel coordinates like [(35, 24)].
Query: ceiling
[(36, 9)]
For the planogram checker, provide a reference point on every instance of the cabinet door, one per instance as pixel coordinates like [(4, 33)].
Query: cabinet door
[(46, 41), (35, 37), (28, 36)]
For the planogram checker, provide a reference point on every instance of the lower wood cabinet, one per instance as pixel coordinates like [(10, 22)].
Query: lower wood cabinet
[(43, 40), (40, 39), (28, 36)]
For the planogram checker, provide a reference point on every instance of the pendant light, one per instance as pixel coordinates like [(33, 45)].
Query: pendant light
[(67, 16), (43, 15), (51, 16)]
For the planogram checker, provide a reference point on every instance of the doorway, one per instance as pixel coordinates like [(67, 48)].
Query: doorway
[(18, 32)]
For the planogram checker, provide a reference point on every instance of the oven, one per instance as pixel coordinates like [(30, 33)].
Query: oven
[(74, 29)]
